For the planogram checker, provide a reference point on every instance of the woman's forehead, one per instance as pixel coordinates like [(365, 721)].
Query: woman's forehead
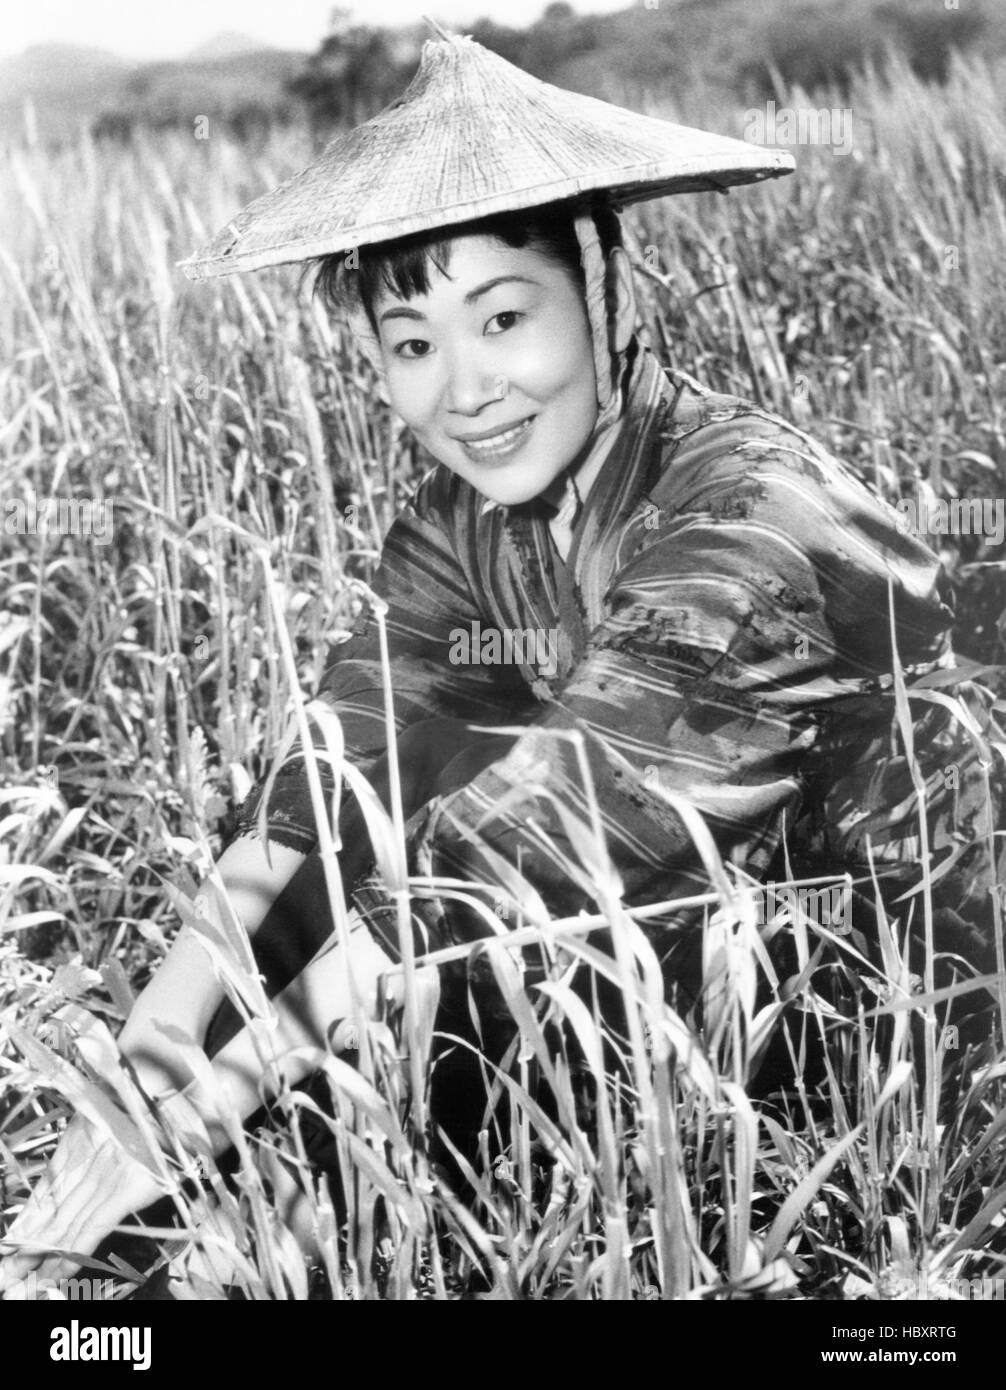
[(472, 259)]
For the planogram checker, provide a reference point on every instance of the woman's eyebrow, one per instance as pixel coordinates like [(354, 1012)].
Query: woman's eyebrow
[(403, 312), (472, 295)]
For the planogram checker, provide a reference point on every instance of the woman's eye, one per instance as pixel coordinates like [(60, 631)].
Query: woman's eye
[(411, 342), (513, 314), (413, 348)]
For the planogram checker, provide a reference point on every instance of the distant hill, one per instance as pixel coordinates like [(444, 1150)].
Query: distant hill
[(658, 55), (244, 85), (225, 45), (66, 83), (650, 54), (230, 77), (47, 68)]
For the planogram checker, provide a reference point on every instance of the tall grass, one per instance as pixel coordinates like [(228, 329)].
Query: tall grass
[(254, 471)]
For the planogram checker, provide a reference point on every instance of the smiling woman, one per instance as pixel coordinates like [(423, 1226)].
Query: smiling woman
[(500, 385), (486, 343), (495, 376)]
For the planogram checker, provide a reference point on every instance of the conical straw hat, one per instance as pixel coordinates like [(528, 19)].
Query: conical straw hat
[(473, 135)]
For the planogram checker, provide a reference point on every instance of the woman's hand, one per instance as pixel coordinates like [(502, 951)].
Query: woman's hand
[(89, 1187)]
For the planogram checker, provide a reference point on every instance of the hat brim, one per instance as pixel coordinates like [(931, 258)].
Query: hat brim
[(635, 186)]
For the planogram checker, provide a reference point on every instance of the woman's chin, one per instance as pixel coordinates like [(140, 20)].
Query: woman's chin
[(509, 497), (507, 482), (522, 486)]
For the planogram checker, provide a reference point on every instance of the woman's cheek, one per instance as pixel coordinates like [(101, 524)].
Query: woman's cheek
[(557, 364), (406, 401), (537, 369)]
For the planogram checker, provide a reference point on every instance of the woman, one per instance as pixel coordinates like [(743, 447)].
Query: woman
[(686, 581)]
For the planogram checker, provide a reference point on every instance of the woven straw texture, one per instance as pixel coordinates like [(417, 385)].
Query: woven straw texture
[(473, 135)]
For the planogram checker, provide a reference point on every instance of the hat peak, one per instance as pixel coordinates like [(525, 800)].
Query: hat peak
[(439, 29)]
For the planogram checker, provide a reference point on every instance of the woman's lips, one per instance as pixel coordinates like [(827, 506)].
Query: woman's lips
[(499, 446)]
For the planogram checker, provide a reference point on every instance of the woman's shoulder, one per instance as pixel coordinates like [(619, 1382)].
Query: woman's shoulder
[(747, 507), (710, 439), (731, 460)]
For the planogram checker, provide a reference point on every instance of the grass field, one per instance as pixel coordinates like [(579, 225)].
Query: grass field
[(146, 680)]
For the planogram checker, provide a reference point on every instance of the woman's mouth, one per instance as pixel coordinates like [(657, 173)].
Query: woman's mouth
[(498, 446)]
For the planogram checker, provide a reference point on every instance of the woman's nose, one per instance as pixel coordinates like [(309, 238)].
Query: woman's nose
[(471, 386)]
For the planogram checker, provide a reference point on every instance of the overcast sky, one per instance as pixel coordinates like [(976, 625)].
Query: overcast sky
[(141, 29)]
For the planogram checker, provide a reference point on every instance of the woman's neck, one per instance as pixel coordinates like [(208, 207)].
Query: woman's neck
[(572, 487), (584, 469)]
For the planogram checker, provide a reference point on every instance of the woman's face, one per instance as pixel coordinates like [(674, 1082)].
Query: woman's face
[(493, 369)]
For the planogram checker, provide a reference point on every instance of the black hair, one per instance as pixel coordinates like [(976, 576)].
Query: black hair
[(402, 266)]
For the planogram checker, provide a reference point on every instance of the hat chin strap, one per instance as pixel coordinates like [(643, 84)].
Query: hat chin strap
[(606, 370)]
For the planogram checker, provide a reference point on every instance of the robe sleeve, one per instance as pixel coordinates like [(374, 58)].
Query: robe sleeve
[(428, 597)]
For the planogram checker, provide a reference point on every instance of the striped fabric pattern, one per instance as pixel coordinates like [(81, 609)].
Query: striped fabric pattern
[(722, 631)]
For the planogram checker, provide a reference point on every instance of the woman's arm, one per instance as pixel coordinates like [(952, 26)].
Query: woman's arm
[(185, 992), (91, 1184), (428, 597)]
